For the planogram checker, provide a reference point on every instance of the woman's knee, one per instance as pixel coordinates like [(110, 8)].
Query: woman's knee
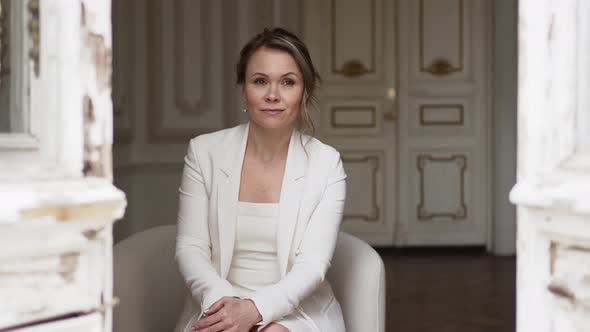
[(274, 327)]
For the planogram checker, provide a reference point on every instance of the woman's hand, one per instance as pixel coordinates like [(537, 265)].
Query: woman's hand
[(229, 314)]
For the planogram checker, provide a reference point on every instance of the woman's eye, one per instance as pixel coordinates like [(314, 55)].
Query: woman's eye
[(289, 82), (259, 81)]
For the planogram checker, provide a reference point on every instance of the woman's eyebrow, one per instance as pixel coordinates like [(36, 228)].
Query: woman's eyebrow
[(289, 73), (265, 75)]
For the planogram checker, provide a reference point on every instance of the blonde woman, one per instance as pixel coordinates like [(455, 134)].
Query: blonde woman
[(261, 205)]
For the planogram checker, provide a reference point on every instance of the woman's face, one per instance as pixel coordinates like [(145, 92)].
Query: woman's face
[(273, 88)]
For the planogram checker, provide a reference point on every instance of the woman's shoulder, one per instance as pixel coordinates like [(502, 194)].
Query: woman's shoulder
[(214, 139), (317, 146), (324, 161), (319, 151)]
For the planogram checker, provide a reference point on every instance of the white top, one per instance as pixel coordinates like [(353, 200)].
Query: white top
[(254, 263)]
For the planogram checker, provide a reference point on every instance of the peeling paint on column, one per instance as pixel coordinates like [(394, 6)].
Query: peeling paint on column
[(553, 267), (56, 225), (97, 157), (97, 104)]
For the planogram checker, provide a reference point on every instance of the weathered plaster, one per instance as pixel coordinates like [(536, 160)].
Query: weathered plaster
[(97, 104), (55, 222), (553, 188)]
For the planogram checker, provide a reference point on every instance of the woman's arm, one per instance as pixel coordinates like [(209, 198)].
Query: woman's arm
[(193, 245), (313, 255)]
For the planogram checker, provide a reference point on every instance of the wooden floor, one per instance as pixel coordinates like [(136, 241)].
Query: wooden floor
[(449, 290)]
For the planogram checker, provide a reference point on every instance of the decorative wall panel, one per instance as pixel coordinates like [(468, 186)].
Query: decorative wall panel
[(362, 199), (186, 69), (353, 37), (441, 36), (263, 14), (352, 116), (442, 187), (441, 115), (190, 59), (123, 74)]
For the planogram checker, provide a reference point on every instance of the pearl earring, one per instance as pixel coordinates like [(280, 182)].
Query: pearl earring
[(244, 110)]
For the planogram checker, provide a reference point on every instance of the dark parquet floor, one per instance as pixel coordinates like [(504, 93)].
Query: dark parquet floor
[(449, 290)]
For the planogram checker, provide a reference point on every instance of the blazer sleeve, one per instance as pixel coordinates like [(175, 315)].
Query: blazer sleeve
[(313, 256), (193, 244)]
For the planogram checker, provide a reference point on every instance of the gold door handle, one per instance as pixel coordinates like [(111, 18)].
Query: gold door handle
[(392, 114)]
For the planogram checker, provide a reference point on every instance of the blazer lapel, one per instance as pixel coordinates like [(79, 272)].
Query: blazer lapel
[(290, 199), (232, 158)]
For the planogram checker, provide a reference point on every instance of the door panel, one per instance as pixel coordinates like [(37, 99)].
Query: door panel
[(405, 100), (439, 31), (444, 123), (353, 44), (345, 21)]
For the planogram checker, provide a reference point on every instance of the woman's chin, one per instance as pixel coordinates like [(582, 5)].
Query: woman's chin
[(273, 124)]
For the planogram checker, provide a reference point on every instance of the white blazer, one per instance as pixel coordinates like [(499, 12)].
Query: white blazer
[(310, 211)]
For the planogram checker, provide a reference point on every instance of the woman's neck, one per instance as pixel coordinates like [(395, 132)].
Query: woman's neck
[(268, 144)]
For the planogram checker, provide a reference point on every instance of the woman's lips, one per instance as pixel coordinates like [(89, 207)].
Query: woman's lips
[(272, 111)]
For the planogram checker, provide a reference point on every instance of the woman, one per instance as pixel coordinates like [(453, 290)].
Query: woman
[(261, 205)]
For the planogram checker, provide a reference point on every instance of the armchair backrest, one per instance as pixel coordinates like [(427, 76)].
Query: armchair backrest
[(147, 282)]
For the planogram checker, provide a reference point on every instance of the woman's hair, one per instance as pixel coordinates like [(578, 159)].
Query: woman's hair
[(281, 39)]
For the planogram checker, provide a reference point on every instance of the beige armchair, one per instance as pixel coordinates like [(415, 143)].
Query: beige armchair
[(152, 292)]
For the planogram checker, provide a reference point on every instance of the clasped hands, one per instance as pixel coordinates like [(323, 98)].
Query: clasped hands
[(229, 314)]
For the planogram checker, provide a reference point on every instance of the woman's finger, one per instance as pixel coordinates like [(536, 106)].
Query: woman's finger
[(219, 326), (207, 322), (216, 306)]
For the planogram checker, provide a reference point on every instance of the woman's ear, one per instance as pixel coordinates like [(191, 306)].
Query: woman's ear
[(243, 95)]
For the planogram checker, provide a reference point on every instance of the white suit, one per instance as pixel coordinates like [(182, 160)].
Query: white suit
[(310, 211)]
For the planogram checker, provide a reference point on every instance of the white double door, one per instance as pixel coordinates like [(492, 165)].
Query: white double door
[(406, 100)]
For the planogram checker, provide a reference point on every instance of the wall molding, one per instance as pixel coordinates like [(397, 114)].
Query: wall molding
[(374, 214), (158, 131), (123, 74), (335, 109), (182, 101), (440, 66), (461, 212), (354, 67), (424, 122)]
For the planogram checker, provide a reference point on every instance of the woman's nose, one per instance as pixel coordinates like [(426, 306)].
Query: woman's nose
[(272, 94)]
